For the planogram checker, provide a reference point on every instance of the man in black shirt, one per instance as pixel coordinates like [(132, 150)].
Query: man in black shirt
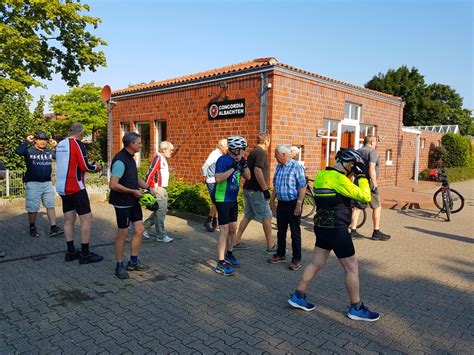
[(39, 188), (124, 195), (256, 194)]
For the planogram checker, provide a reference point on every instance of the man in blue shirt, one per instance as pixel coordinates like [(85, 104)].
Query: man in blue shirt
[(289, 187)]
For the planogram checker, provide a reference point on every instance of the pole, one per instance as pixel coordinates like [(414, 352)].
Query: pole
[(111, 138)]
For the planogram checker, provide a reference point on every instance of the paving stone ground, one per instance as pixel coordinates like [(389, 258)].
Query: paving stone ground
[(420, 282)]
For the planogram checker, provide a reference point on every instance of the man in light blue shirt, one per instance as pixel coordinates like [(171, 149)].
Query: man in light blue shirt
[(289, 187)]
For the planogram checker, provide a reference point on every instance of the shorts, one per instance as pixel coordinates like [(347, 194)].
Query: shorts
[(227, 212), (337, 239), (78, 202), (37, 192), (125, 215), (375, 201), (211, 187), (256, 207)]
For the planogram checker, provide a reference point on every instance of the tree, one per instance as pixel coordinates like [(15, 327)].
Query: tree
[(82, 104), (425, 105), (42, 37), (15, 125)]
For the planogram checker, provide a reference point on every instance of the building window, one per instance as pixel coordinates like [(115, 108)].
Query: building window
[(388, 157), (160, 133), (422, 143), (329, 142), (352, 111), (366, 130), (143, 129), (124, 128)]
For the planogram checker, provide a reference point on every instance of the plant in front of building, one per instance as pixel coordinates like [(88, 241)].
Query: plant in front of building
[(457, 150)]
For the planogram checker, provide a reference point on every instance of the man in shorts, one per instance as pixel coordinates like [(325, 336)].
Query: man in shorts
[(256, 194), (334, 192), (39, 188), (372, 161), (229, 168), (124, 195), (209, 171), (71, 167)]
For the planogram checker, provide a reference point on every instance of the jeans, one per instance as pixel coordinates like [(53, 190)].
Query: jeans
[(157, 218), (285, 217)]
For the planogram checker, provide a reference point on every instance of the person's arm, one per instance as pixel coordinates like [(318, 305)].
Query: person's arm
[(23, 147), (116, 186), (299, 202), (373, 175), (347, 188), (153, 170), (246, 173), (225, 175), (142, 184), (82, 160), (260, 178)]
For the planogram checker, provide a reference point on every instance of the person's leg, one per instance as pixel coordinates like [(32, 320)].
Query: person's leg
[(295, 229), (51, 212), (282, 224), (120, 239), (267, 229), (376, 212), (318, 262), (160, 215), (69, 221), (32, 218), (32, 204), (86, 222), (222, 241), (242, 226), (231, 236), (354, 218), (351, 270), (137, 237)]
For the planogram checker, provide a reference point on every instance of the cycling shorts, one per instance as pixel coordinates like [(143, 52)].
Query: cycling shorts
[(227, 212), (337, 239)]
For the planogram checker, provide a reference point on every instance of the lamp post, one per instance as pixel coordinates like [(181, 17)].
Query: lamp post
[(106, 95)]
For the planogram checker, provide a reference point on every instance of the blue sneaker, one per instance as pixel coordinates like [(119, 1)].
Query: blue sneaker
[(362, 313), (232, 261), (300, 303), (224, 269)]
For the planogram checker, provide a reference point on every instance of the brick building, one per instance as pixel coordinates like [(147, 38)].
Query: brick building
[(316, 113)]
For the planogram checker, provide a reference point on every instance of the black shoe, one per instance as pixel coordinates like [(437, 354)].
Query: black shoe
[(138, 266), (34, 232), (90, 258), (72, 256), (208, 226), (214, 223), (121, 273), (357, 235), (378, 235), (53, 232)]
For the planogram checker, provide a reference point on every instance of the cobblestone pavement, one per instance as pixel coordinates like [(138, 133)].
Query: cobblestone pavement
[(420, 282)]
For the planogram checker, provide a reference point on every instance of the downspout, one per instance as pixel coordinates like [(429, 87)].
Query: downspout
[(263, 101), (417, 156)]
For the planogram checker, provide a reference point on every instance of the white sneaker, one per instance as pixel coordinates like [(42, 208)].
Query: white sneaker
[(146, 235), (165, 239)]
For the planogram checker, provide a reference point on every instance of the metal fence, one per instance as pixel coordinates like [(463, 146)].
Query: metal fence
[(13, 185)]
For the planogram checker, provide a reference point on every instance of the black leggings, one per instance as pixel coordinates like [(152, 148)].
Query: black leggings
[(337, 239)]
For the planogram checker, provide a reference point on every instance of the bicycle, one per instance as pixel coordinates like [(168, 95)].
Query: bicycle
[(446, 199), (309, 205)]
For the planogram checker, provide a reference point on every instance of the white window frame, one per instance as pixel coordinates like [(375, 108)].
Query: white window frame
[(388, 157), (330, 138), (158, 134), (352, 106)]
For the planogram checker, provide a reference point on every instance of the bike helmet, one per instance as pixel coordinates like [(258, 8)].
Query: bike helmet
[(348, 156), (236, 142), (147, 199), (41, 135)]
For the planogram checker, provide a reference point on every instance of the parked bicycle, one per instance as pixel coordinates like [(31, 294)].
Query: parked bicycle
[(309, 204), (446, 199)]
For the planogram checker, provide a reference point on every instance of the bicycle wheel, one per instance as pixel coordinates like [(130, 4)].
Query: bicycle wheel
[(362, 218), (438, 199), (446, 206), (309, 205), (456, 201)]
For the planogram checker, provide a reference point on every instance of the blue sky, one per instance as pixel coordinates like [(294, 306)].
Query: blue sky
[(345, 40)]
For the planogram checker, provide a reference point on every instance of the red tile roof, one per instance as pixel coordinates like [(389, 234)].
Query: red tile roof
[(235, 68)]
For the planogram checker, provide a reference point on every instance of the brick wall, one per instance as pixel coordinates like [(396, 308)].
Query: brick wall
[(407, 152), (188, 127), (298, 107)]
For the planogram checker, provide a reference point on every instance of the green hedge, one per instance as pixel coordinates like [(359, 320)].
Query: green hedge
[(454, 174), (457, 150), (193, 198)]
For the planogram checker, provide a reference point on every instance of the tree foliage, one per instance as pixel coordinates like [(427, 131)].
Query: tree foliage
[(457, 150), (425, 105), (16, 124), (39, 38), (80, 104)]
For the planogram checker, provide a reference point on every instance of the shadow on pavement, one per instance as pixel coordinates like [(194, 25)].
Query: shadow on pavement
[(443, 235)]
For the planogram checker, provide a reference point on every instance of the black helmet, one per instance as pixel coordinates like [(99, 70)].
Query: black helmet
[(41, 135), (348, 156)]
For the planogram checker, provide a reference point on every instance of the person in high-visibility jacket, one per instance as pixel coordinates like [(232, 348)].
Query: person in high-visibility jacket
[(334, 192)]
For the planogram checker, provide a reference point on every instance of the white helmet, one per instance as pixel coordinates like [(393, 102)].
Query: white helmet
[(236, 142)]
